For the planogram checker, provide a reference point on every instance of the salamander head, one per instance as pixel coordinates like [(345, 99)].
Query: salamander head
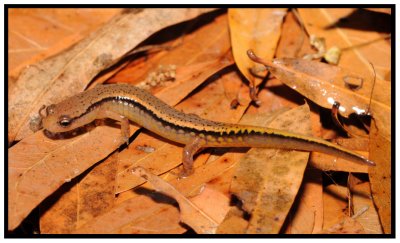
[(53, 120), (64, 116)]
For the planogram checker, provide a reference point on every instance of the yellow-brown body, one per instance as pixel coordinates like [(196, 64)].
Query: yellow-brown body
[(123, 101)]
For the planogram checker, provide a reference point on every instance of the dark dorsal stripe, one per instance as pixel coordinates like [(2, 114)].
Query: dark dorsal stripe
[(185, 128), (159, 119)]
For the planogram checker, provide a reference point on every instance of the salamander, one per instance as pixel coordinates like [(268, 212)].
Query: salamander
[(124, 102)]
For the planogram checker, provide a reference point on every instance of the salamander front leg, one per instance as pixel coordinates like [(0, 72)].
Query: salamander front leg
[(187, 157), (125, 130)]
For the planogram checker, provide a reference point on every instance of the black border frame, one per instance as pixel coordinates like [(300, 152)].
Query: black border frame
[(8, 234)]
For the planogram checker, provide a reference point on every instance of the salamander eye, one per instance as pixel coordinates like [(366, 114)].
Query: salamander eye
[(65, 121)]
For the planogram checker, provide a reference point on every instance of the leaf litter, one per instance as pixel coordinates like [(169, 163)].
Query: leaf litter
[(45, 81)]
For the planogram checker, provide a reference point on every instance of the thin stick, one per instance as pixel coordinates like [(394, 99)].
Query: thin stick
[(372, 90)]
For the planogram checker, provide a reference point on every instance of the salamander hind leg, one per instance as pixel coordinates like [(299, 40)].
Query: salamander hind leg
[(187, 157), (125, 131)]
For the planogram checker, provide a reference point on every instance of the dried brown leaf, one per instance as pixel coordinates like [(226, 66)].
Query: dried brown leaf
[(361, 198), (197, 219), (341, 27), (87, 199), (191, 76), (233, 223), (306, 215), (327, 162), (302, 222), (212, 202), (165, 157), (61, 217), (257, 29), (335, 198), (166, 222), (359, 144), (381, 177), (196, 47), (50, 30), (325, 84), (381, 10), (38, 165), (136, 210), (222, 183), (347, 225), (294, 41)]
